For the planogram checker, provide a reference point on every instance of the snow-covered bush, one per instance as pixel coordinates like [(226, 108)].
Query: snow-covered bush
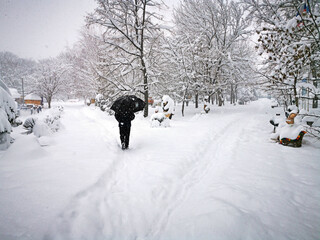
[(246, 95), (29, 124), (60, 108), (103, 103), (53, 120), (41, 129), (46, 123), (5, 129), (98, 99), (8, 105), (5, 126), (17, 122), (7, 116), (158, 119)]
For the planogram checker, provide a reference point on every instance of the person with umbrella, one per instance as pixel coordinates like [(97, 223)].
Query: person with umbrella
[(124, 108)]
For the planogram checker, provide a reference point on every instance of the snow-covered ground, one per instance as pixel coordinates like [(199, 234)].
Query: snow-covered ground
[(208, 176)]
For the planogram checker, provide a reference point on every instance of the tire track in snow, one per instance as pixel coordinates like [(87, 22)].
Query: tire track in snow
[(99, 211), (93, 198), (86, 215), (103, 212), (205, 160), (223, 155)]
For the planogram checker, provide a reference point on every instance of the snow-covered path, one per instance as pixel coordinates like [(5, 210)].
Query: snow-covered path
[(214, 176), (137, 196)]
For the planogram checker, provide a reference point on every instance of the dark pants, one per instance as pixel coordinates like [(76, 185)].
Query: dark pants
[(125, 133)]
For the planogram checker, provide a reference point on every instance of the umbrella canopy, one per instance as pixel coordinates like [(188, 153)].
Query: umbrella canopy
[(128, 103)]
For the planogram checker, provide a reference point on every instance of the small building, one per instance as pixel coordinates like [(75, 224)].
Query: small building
[(32, 99)]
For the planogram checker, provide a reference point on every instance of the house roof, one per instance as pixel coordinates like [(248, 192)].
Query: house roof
[(14, 93), (32, 96)]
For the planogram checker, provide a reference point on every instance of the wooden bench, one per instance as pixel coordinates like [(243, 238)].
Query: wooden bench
[(294, 142)]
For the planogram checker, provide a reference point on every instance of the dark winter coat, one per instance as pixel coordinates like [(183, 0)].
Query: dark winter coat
[(124, 117)]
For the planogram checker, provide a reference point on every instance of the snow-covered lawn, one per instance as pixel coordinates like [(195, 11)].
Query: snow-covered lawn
[(208, 176)]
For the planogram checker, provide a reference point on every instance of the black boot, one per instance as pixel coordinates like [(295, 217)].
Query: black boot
[(124, 143)]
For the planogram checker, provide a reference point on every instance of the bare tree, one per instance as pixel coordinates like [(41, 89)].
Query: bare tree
[(83, 76), (128, 29), (215, 28), (48, 79)]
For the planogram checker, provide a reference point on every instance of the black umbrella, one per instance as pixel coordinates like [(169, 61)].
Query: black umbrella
[(128, 103)]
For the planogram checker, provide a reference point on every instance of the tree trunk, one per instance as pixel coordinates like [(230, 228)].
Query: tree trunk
[(184, 100), (296, 99), (146, 90), (219, 96), (182, 109), (197, 100), (49, 101), (231, 95), (314, 75), (144, 70), (235, 94)]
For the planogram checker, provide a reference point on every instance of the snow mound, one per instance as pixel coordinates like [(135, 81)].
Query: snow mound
[(45, 141), (291, 131), (41, 129), (7, 115), (159, 120), (167, 104), (5, 126), (45, 124)]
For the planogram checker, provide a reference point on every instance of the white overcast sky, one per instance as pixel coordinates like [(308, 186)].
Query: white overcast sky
[(39, 29)]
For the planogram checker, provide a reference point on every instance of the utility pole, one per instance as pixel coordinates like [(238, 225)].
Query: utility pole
[(22, 92)]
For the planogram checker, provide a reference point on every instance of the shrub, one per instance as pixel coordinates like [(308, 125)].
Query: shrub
[(29, 124)]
